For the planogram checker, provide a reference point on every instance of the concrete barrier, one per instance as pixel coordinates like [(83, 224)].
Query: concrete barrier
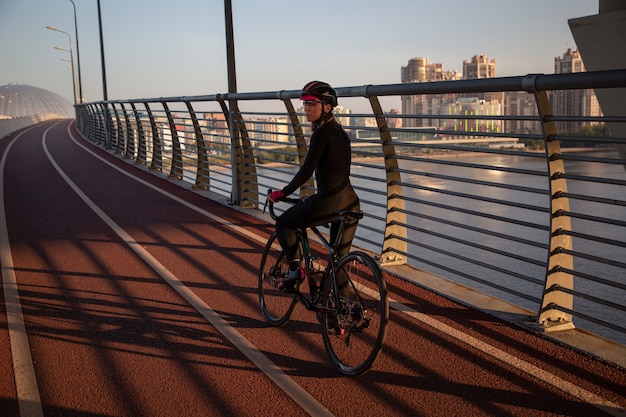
[(8, 126)]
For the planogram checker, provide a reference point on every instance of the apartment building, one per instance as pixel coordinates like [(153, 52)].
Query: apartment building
[(572, 102)]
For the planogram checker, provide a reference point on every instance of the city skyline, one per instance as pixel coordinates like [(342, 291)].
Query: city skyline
[(171, 50)]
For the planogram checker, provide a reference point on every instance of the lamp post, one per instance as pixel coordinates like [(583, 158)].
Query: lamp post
[(107, 121), (58, 48), (80, 82), (230, 47), (104, 73), (71, 57)]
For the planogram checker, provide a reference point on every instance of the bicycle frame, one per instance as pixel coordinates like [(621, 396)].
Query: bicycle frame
[(311, 303), (331, 267)]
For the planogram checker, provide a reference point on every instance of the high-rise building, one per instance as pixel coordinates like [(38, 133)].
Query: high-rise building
[(419, 70), (393, 122), (487, 104), (520, 103), (571, 61), (479, 67), (572, 102)]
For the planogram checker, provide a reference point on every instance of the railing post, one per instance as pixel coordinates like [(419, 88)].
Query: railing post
[(129, 137), (80, 123), (89, 126), (93, 122), (247, 168), (235, 152), (244, 188), (202, 163), (157, 147), (395, 240), (307, 188), (119, 134), (156, 163), (80, 117), (107, 125), (557, 298), (103, 136), (176, 170), (141, 138), (96, 121)]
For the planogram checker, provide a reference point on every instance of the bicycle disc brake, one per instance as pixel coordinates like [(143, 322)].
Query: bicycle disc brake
[(352, 317)]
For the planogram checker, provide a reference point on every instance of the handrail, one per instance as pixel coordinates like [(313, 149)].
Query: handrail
[(453, 193), (530, 82)]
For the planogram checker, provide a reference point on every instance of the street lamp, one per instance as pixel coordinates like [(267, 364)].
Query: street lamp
[(80, 82), (71, 61), (71, 57), (68, 61)]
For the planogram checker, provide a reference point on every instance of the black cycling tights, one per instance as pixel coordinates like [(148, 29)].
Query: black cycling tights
[(314, 211)]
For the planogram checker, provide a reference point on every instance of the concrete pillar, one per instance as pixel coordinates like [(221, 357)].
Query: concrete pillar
[(601, 41)]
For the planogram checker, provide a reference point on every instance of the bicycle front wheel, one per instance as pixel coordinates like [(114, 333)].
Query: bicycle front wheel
[(276, 304), (355, 324)]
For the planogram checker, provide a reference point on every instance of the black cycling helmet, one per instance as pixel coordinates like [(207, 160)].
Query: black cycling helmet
[(319, 90)]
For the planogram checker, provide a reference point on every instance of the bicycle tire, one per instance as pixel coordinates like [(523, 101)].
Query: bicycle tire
[(276, 304), (354, 336)]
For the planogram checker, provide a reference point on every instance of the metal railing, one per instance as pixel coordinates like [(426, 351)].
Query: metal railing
[(489, 191)]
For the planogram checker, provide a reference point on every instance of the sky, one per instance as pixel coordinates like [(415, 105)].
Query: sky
[(178, 48)]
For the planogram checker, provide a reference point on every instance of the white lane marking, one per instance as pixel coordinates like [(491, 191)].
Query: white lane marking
[(28, 399), (523, 366), (550, 379), (305, 400)]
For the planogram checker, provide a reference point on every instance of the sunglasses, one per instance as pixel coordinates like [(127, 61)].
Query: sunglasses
[(310, 102)]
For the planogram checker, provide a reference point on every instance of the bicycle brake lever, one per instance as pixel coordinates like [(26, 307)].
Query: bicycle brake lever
[(269, 191)]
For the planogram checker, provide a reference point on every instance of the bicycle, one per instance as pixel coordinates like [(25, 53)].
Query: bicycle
[(349, 295)]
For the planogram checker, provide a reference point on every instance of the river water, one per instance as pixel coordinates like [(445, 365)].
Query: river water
[(515, 262)]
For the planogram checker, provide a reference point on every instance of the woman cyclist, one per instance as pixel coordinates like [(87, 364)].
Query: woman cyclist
[(329, 157)]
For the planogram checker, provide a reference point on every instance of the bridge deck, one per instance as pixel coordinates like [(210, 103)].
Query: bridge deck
[(138, 298)]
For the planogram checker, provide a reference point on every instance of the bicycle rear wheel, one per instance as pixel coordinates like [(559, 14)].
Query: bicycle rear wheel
[(276, 304), (354, 335)]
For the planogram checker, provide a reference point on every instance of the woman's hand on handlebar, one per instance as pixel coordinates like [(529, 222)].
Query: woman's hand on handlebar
[(272, 197), (275, 196)]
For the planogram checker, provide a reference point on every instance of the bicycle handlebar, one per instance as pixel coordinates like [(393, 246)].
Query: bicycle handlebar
[(271, 204), (345, 215)]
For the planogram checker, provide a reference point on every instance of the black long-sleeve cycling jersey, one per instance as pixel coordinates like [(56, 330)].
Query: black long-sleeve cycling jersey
[(329, 157)]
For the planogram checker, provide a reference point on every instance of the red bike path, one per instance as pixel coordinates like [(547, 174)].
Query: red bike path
[(139, 298)]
